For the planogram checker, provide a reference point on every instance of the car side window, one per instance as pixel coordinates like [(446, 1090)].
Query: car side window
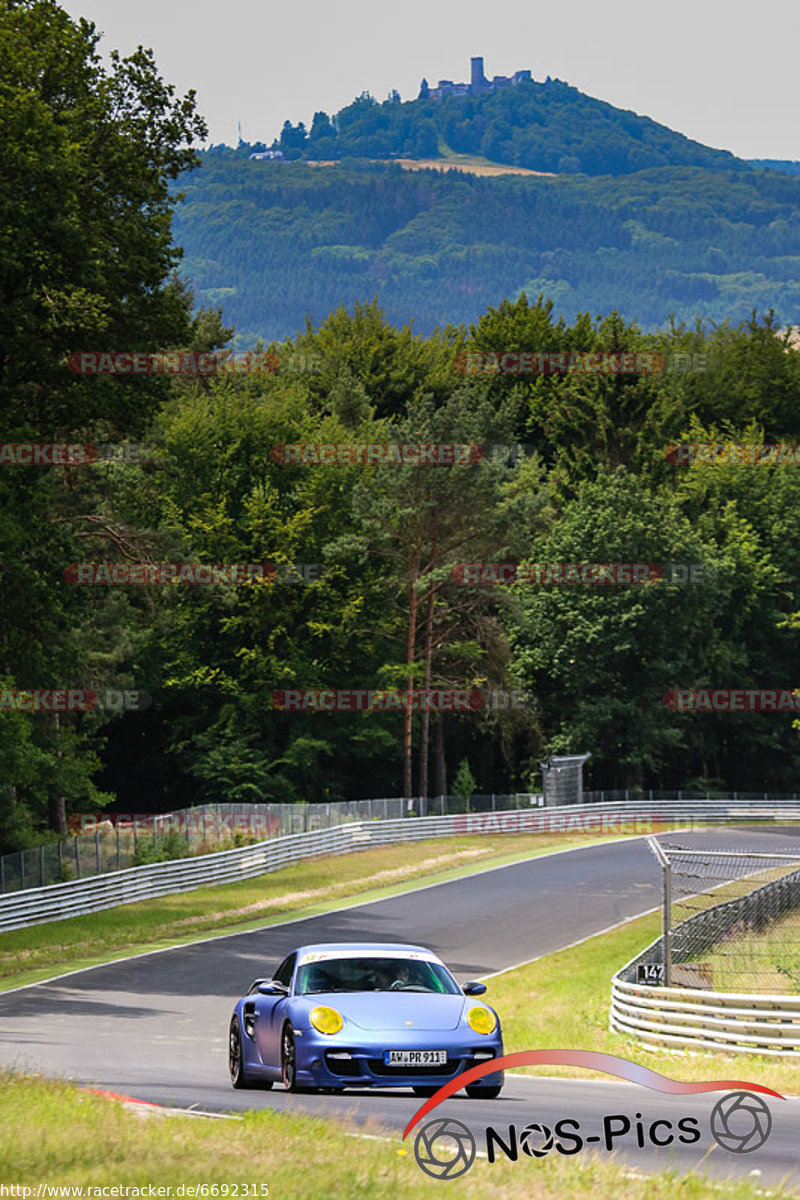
[(285, 970)]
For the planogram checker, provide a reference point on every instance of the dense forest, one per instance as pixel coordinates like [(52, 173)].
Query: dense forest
[(273, 242), (788, 166), (577, 469)]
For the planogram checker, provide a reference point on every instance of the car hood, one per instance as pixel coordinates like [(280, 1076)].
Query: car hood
[(394, 1010)]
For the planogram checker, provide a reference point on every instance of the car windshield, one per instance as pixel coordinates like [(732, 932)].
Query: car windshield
[(376, 974)]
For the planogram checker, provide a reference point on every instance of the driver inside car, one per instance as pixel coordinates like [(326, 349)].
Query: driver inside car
[(401, 978)]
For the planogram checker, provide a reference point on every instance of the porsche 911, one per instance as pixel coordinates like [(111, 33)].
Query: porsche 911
[(363, 1015)]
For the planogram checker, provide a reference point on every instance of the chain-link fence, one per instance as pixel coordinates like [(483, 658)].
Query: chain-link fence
[(731, 919), (613, 794), (116, 841)]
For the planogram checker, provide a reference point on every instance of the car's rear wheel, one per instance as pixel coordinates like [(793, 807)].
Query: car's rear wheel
[(425, 1091), (289, 1061), (476, 1092), (239, 1076)]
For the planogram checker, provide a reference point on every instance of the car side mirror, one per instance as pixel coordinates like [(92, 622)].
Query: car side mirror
[(271, 987), (474, 988)]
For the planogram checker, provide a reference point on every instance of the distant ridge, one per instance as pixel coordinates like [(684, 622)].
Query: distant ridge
[(786, 166)]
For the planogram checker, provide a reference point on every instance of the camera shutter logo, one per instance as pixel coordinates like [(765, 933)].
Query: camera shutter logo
[(741, 1122), (536, 1140), (444, 1148)]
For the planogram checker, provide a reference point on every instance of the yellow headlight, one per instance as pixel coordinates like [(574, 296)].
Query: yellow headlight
[(325, 1020), (482, 1020)]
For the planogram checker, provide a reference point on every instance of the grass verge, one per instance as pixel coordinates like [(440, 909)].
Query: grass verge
[(307, 888), (56, 1135)]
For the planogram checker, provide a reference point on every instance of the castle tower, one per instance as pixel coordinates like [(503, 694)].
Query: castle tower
[(477, 80)]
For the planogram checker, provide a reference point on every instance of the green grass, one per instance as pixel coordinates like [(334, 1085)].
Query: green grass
[(562, 1002), (54, 1134), (767, 962), (312, 886)]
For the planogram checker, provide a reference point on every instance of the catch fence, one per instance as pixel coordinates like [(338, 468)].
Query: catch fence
[(725, 972), (731, 919)]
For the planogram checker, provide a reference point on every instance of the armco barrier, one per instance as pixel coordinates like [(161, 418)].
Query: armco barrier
[(62, 900), (733, 1022)]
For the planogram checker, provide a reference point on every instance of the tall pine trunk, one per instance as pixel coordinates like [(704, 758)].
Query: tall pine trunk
[(424, 738), (408, 714), (56, 802), (440, 762)]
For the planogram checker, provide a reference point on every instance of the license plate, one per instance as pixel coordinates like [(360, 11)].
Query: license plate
[(414, 1058)]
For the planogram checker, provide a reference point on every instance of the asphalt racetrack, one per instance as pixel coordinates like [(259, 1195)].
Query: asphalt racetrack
[(155, 1027)]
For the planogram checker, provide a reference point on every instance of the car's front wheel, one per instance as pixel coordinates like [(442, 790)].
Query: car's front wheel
[(476, 1092), (289, 1061), (239, 1076)]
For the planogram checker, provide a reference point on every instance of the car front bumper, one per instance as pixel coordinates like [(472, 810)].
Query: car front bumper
[(340, 1061)]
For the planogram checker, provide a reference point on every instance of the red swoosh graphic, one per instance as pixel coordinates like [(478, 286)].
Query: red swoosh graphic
[(609, 1064)]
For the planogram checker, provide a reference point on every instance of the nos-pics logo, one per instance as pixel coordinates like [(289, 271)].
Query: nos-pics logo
[(446, 1148)]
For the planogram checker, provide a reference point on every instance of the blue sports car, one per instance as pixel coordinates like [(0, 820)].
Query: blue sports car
[(363, 1015)]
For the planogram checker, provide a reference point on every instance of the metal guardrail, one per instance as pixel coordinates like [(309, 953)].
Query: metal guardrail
[(60, 901), (113, 841), (738, 1022), (734, 1022), (596, 816), (81, 896), (684, 794)]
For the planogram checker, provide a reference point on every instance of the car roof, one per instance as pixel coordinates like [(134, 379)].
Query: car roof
[(377, 947)]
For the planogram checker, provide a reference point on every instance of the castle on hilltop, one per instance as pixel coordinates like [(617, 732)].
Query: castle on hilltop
[(479, 85)]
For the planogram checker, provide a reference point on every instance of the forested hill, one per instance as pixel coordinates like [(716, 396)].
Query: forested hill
[(547, 126), (271, 242)]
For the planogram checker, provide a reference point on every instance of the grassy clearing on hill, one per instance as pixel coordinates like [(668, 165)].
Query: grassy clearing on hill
[(57, 1135)]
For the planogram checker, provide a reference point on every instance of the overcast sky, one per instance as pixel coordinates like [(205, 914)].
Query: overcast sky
[(724, 72)]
